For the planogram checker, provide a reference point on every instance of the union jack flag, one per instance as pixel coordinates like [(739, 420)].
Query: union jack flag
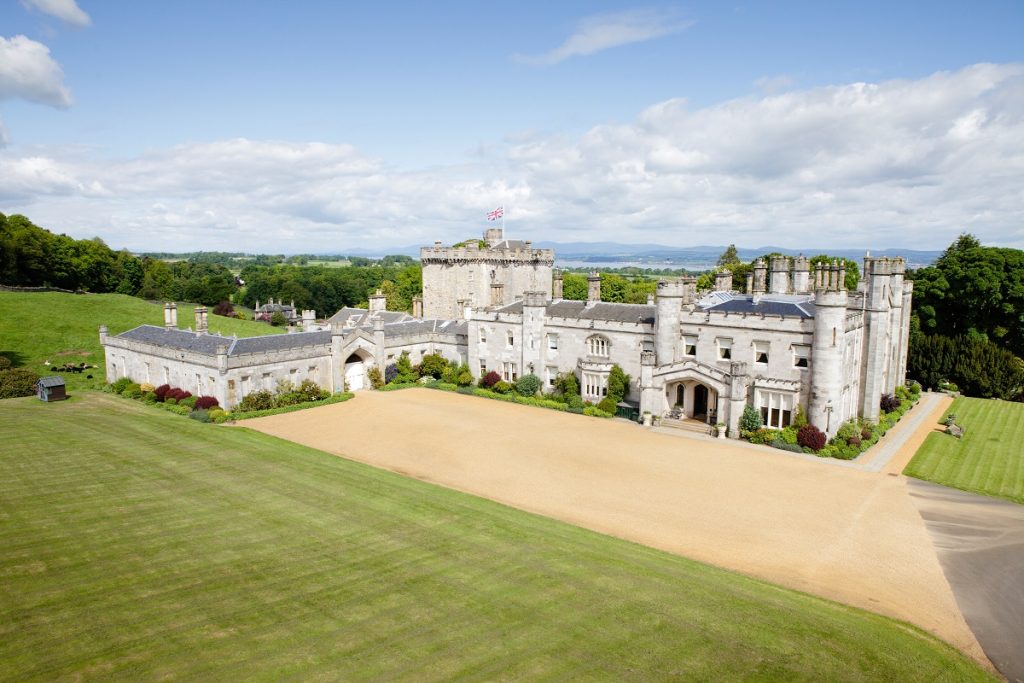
[(496, 214)]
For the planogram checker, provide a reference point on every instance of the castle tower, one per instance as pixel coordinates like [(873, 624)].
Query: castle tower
[(723, 281), (593, 287), (666, 324), (760, 277), (466, 272), (883, 288), (830, 300), (779, 281), (801, 283)]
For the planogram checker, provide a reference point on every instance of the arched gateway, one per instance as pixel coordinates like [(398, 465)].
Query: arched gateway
[(698, 391)]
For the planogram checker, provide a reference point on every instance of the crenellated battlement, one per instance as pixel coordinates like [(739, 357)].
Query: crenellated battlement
[(492, 255)]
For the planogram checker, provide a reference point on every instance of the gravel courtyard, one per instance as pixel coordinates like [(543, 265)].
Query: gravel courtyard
[(843, 533)]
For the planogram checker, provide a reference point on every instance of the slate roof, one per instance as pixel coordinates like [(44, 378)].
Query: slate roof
[(510, 244), (354, 317), (52, 381), (412, 327), (207, 344), (565, 308), (795, 306)]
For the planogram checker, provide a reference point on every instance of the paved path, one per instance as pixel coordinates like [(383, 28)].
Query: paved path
[(836, 531), (980, 543)]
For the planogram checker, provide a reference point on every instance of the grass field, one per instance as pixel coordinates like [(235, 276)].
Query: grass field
[(137, 544), (64, 328), (989, 459)]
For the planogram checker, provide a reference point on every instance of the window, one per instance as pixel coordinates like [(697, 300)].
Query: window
[(598, 346), (266, 386), (552, 373), (483, 367), (724, 348), (761, 353), (689, 345), (510, 339), (483, 335), (595, 385), (509, 371), (776, 408), (553, 342), (800, 356)]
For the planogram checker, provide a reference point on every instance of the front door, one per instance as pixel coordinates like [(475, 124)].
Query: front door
[(700, 402)]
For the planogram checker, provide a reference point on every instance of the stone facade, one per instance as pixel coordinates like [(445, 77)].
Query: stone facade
[(797, 338)]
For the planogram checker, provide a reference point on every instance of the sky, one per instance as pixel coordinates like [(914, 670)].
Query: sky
[(319, 127)]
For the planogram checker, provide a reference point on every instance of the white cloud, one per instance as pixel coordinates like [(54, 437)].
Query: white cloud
[(28, 72), (867, 165), (605, 31), (67, 11)]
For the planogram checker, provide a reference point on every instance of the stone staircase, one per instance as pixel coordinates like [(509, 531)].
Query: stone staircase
[(686, 424)]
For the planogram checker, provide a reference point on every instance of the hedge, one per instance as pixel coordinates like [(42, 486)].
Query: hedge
[(234, 417)]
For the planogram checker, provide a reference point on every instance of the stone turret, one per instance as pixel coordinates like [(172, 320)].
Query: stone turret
[(222, 358), (666, 326), (170, 315), (493, 236), (760, 277), (308, 319), (830, 301), (884, 340), (556, 286), (689, 289), (534, 304), (593, 287), (723, 281), (779, 280), (801, 283)]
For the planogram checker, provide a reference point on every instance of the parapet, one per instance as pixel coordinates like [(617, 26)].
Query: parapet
[(884, 265), (471, 254), (536, 299)]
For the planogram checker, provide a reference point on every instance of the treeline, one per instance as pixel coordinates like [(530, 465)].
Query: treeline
[(326, 289), (968, 320)]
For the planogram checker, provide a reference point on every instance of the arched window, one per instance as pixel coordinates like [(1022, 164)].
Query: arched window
[(598, 346)]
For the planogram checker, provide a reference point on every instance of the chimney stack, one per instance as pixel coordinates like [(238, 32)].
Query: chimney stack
[(378, 302), (593, 287), (170, 315), (417, 306), (202, 321)]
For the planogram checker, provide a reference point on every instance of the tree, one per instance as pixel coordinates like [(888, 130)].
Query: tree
[(406, 374), (729, 258), (277, 319), (574, 287), (433, 365), (618, 384)]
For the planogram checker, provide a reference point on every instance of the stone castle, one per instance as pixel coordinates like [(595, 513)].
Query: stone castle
[(795, 337)]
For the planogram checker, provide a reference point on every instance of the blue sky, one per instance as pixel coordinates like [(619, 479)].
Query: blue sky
[(337, 125)]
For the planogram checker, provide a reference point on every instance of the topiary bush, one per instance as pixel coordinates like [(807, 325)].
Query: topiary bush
[(528, 385), (206, 402), (490, 379), (811, 437), (750, 420)]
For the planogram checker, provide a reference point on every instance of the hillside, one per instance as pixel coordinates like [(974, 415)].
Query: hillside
[(64, 328)]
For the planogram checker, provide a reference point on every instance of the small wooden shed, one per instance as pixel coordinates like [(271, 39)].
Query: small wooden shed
[(51, 389)]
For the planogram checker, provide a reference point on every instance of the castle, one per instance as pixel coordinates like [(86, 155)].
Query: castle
[(796, 337)]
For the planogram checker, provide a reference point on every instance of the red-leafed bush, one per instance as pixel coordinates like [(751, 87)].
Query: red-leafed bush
[(889, 403), (206, 402), (490, 379), (811, 437), (177, 394), (161, 392), (225, 309)]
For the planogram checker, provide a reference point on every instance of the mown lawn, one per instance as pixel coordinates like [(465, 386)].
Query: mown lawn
[(135, 544), (989, 459), (64, 328)]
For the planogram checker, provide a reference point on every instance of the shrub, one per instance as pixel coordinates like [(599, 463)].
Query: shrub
[(149, 397), (206, 402), (216, 413), (784, 446), (889, 403), (277, 319), (750, 420), (465, 378), (161, 391), (390, 373), (376, 378), (618, 384), (189, 401), (799, 417), (5, 363), (607, 405), (180, 410), (146, 387), (811, 437), (15, 382), (574, 403), (225, 309), (567, 385), (257, 400), (854, 441), (200, 415), (434, 365), (132, 391), (311, 391), (404, 370), (120, 385), (171, 401), (763, 436), (788, 435), (595, 411), (528, 385), (501, 387), (490, 379)]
